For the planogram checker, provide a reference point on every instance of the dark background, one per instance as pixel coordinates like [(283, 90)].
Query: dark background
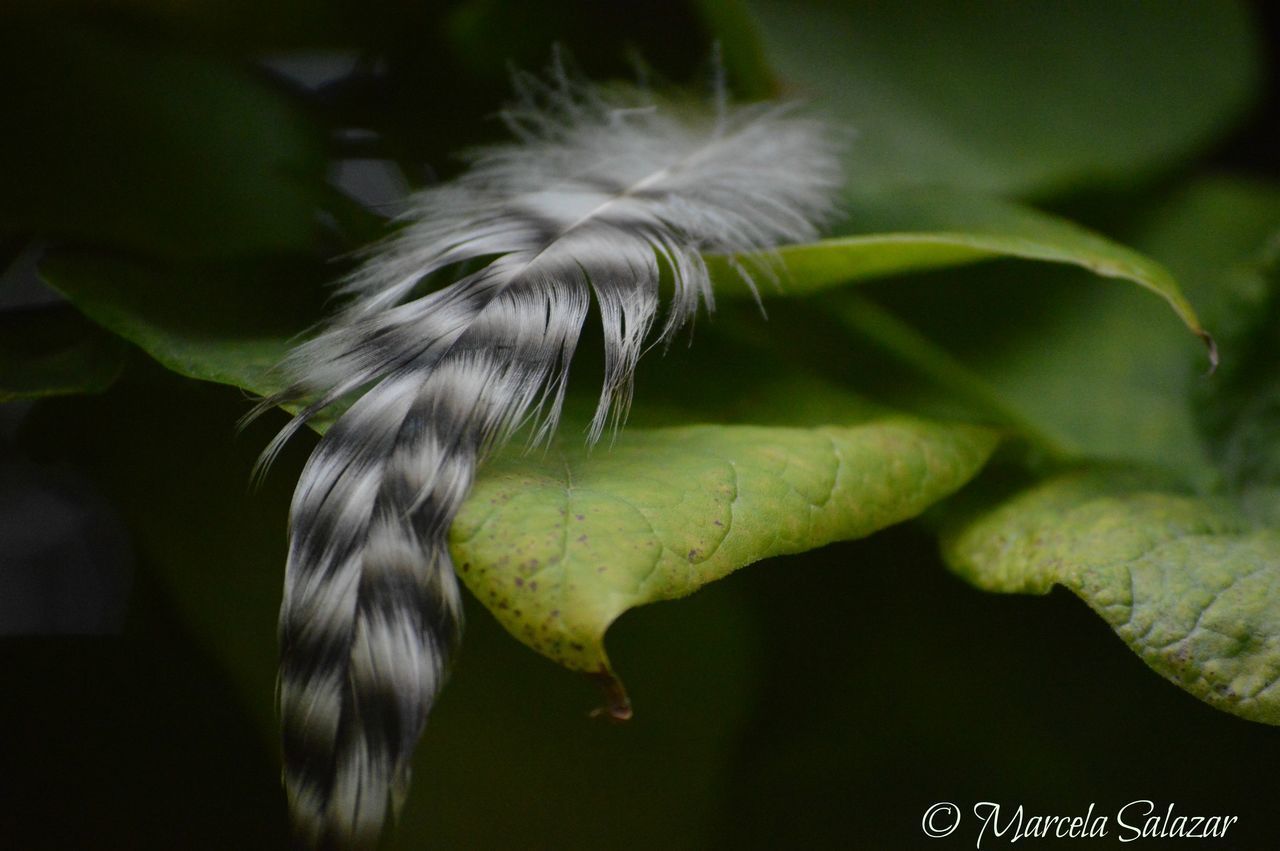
[(817, 701)]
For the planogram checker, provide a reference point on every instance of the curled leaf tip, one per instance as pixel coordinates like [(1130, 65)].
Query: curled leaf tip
[(617, 704), (1212, 347)]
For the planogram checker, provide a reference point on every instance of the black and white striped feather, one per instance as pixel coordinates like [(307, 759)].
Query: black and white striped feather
[(604, 194)]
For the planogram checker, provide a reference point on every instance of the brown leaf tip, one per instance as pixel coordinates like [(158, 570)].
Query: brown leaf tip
[(617, 705), (1212, 346)]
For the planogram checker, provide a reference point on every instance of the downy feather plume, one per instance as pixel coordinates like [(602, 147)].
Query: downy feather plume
[(603, 193)]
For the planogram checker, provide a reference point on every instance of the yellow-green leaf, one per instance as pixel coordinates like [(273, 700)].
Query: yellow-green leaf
[(1190, 584), (559, 546)]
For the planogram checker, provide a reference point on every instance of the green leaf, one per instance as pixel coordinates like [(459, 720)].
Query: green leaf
[(1029, 98), (54, 351), (772, 489), (559, 546), (521, 503), (1092, 369), (160, 448), (575, 635), (1055, 339), (1226, 241), (229, 324), (1189, 583), (1212, 232), (918, 231), (150, 147), (1086, 365)]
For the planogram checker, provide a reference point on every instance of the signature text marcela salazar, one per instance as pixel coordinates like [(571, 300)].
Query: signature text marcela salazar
[(1136, 820)]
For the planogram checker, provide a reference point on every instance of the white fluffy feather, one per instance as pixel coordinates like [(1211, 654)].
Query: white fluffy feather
[(602, 192)]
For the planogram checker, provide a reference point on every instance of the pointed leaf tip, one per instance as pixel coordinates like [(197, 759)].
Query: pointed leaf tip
[(617, 703), (1212, 348)]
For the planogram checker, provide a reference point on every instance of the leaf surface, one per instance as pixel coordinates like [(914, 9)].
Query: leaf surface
[(1090, 365), (1019, 99), (228, 324), (672, 506), (919, 231), (1190, 584), (558, 547), (1189, 579), (231, 323)]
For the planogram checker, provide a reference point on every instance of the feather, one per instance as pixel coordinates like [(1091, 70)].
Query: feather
[(603, 194)]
